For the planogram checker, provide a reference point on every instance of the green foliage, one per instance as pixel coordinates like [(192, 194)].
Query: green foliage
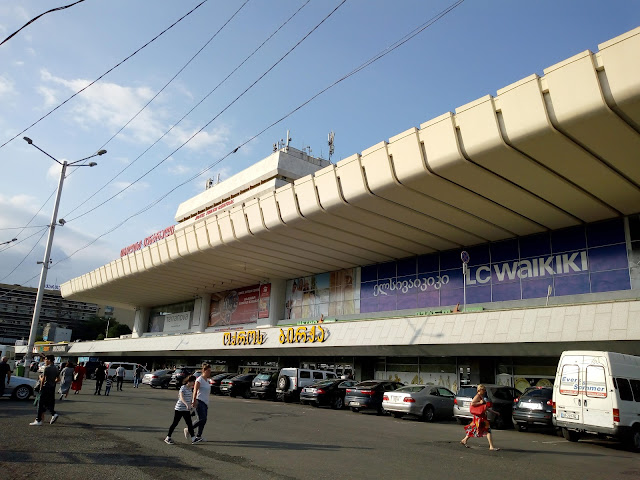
[(116, 329), (96, 327)]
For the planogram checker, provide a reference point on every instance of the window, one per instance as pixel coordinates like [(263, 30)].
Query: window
[(595, 384), (443, 392), (625, 389), (305, 374), (635, 387), (128, 367), (317, 375), (569, 380)]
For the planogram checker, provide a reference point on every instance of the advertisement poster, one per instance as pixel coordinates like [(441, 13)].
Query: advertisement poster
[(328, 294), (265, 301), (235, 307), (176, 322)]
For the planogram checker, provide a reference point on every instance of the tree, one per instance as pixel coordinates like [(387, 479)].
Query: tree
[(116, 329)]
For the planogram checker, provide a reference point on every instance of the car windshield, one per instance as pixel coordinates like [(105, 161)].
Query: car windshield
[(180, 371), (467, 392), (542, 394), (323, 383), (368, 384), (410, 389), (263, 376)]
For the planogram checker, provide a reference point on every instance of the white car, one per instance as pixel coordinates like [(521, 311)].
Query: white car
[(20, 388)]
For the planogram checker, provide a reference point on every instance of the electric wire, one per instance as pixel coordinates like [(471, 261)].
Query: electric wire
[(361, 67), (24, 227), (190, 111), (25, 257), (12, 245), (35, 18), (105, 73), (214, 118)]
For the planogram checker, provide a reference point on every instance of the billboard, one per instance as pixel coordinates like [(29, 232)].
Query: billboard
[(578, 260), (240, 306)]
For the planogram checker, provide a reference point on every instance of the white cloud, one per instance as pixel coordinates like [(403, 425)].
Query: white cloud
[(130, 187), (6, 86), (49, 95), (215, 139)]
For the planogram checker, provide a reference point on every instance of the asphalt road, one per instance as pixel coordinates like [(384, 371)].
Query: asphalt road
[(121, 437)]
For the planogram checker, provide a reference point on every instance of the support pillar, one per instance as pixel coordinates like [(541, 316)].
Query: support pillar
[(140, 322), (201, 312), (276, 303)]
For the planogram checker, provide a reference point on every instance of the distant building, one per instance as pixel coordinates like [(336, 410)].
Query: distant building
[(16, 312)]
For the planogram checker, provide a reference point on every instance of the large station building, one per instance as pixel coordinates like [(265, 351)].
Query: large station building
[(357, 266)]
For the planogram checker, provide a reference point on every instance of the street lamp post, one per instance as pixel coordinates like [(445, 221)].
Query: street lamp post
[(47, 252)]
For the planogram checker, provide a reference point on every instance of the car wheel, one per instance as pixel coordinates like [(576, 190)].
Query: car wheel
[(153, 386), (461, 421), (355, 409), (314, 404), (23, 392), (283, 382), (520, 427), (286, 398), (246, 393), (164, 386), (396, 414), (260, 396), (428, 414), (635, 439), (338, 404), (500, 423), (303, 402), (379, 411), (570, 435)]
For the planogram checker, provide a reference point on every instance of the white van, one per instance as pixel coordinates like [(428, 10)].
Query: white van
[(292, 380), (129, 370), (598, 393)]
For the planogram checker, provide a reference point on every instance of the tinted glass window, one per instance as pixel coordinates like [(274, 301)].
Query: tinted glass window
[(467, 392), (263, 376), (543, 393), (317, 375), (635, 387), (595, 383), (445, 393), (625, 389), (128, 367), (331, 375), (304, 374), (502, 394)]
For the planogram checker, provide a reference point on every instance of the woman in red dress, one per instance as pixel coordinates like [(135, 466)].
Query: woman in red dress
[(78, 376), (479, 426)]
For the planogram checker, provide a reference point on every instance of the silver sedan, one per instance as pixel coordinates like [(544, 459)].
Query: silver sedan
[(20, 388), (424, 401)]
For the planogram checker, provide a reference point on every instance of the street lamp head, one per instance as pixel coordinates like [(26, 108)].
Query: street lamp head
[(14, 239), (102, 152), (62, 221), (28, 140), (92, 164)]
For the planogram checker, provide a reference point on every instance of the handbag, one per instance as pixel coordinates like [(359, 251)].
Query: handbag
[(75, 376), (478, 409)]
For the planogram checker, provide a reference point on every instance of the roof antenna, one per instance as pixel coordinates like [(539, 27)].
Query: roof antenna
[(330, 142)]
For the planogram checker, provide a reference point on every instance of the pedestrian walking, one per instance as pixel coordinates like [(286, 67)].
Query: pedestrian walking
[(79, 374), (137, 374), (48, 379), (66, 379), (182, 410), (479, 426), (107, 385), (119, 377), (100, 376), (201, 393), (5, 371)]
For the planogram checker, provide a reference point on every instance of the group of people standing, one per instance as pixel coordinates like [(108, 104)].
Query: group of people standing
[(193, 399)]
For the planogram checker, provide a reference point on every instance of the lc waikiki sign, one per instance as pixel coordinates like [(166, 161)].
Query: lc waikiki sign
[(150, 240)]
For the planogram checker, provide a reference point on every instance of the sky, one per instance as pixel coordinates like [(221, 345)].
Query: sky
[(197, 114)]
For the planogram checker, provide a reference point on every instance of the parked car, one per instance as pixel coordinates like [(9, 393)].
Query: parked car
[(500, 396), (20, 388), (263, 385), (159, 378), (129, 369), (327, 392), (368, 394), (238, 385), (292, 380), (180, 375), (424, 401), (535, 406), (216, 381)]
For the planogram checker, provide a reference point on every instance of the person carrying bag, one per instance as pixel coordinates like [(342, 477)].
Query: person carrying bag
[(479, 426)]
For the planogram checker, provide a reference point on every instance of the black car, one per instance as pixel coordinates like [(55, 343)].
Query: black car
[(179, 376), (533, 407), (238, 385), (326, 392), (216, 381), (263, 385), (368, 394)]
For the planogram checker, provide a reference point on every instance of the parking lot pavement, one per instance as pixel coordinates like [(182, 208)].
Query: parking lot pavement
[(121, 437)]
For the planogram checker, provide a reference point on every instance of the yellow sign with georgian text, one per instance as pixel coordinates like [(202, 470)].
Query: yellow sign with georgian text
[(250, 337), (303, 334)]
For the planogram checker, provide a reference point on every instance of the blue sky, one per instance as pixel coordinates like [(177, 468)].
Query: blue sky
[(476, 49)]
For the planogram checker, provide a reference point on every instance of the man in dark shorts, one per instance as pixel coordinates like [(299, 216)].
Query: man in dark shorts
[(5, 371), (48, 381)]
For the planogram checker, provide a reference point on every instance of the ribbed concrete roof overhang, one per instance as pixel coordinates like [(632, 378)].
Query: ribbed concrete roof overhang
[(545, 153)]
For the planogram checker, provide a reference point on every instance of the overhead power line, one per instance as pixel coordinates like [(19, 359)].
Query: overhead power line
[(36, 18), (359, 68), (105, 73), (12, 245), (44, 232), (215, 117), (189, 112)]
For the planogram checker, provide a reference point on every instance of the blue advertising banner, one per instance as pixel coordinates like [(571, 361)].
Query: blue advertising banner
[(584, 259)]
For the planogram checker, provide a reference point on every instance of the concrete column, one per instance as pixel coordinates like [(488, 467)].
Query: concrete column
[(276, 303), (140, 322), (201, 312)]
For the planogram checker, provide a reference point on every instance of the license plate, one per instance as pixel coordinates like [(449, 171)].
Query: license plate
[(354, 404), (532, 406), (310, 390), (466, 404), (570, 415)]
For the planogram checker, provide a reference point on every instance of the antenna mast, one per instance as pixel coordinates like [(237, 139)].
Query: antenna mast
[(330, 142)]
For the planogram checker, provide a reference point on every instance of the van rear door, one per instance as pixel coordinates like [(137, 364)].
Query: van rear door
[(569, 396), (597, 402)]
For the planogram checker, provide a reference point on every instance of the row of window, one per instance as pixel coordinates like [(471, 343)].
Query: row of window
[(595, 384)]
